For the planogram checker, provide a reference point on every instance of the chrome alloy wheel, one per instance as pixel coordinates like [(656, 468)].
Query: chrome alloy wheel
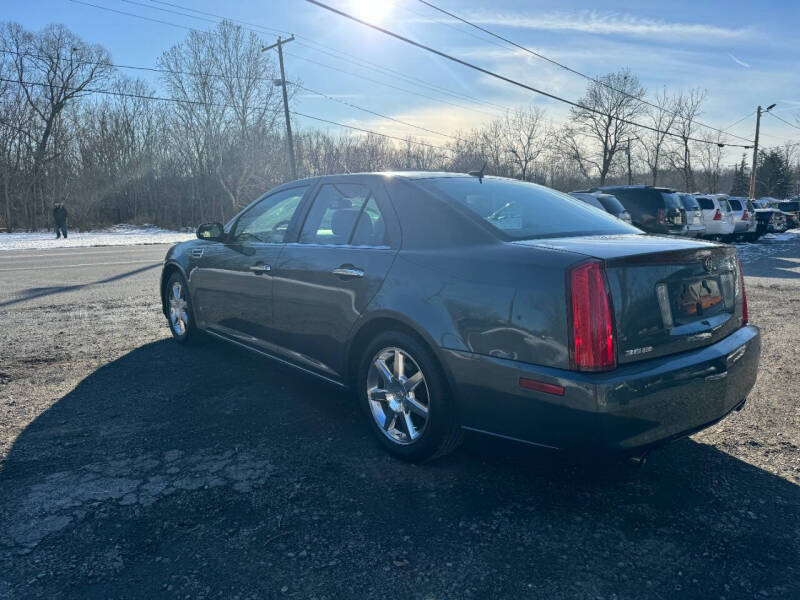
[(178, 307), (398, 395)]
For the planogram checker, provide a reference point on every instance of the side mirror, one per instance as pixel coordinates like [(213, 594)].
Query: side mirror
[(212, 232)]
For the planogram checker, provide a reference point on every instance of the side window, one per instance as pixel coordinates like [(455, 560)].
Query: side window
[(371, 227), (268, 220), (334, 213)]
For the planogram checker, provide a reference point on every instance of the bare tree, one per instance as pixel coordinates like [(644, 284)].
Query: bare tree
[(661, 118), (710, 159), (524, 138), (53, 68), (604, 118), (689, 109)]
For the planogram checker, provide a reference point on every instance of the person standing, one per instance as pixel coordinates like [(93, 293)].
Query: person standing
[(60, 218)]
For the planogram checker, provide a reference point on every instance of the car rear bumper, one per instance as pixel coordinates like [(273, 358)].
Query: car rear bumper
[(695, 230), (631, 408)]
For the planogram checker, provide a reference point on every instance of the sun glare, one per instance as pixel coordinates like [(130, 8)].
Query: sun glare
[(372, 11)]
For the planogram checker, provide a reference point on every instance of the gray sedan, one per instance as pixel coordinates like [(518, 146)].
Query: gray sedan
[(452, 302)]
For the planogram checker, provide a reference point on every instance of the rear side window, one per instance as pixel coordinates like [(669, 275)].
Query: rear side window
[(706, 203), (371, 226), (690, 202), (671, 200), (611, 204), (520, 210), (735, 204), (333, 215)]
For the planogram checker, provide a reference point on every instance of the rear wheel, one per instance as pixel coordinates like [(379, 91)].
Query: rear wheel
[(406, 399), (179, 310)]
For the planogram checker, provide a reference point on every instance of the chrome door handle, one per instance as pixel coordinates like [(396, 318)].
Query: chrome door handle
[(259, 269), (348, 272)]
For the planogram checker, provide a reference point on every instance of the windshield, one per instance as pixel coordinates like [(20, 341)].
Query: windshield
[(522, 210)]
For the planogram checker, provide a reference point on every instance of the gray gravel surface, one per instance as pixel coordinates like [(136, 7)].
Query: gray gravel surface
[(131, 467)]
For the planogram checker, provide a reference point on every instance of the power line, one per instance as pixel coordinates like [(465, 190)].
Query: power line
[(747, 116), (784, 120), (220, 105), (570, 69), (504, 78), (311, 44), (321, 64), (221, 76), (377, 114)]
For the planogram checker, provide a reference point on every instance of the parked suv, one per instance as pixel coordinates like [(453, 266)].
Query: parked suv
[(793, 208), (717, 216), (744, 218), (653, 209), (605, 202), (695, 224)]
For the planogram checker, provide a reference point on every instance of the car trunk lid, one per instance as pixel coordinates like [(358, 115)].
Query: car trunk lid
[(669, 295)]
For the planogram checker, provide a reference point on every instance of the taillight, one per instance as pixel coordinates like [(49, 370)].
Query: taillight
[(744, 293), (592, 346), (718, 216), (745, 216), (662, 216)]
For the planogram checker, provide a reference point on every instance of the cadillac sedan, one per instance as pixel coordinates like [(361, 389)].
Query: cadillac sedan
[(453, 302)]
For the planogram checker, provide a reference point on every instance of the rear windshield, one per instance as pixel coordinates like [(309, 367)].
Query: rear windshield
[(690, 202), (611, 204), (706, 203), (792, 206), (522, 210), (735, 204)]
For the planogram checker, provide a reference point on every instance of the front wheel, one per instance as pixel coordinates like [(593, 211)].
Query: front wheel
[(179, 310), (405, 398)]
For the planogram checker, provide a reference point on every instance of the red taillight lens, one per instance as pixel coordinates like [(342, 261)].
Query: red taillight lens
[(718, 216), (745, 216), (592, 344), (744, 293)]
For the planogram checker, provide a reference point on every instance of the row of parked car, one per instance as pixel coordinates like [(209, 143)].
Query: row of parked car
[(713, 216)]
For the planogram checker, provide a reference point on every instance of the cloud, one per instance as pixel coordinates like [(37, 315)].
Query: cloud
[(605, 23), (741, 63)]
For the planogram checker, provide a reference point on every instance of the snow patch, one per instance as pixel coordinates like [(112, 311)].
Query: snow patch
[(118, 235)]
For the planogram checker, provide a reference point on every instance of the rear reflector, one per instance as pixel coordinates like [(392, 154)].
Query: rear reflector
[(541, 386), (592, 344)]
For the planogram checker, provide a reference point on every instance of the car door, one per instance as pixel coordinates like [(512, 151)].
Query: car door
[(325, 279), (231, 281)]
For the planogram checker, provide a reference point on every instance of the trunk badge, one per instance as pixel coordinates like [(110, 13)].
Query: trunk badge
[(708, 264)]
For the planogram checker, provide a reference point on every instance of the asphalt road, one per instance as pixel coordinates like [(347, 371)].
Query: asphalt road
[(131, 467)]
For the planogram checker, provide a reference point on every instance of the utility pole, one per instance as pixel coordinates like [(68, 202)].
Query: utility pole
[(282, 82), (755, 150), (630, 175)]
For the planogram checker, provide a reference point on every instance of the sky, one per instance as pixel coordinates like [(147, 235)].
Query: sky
[(743, 54)]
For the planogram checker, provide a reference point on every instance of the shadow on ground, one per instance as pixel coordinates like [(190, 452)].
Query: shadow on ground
[(207, 472)]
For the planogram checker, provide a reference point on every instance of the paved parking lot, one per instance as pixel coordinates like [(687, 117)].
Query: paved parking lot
[(131, 467)]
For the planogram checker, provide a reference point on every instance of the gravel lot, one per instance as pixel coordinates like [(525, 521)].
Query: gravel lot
[(132, 467)]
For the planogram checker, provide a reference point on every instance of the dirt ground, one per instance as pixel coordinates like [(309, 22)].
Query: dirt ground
[(131, 467)]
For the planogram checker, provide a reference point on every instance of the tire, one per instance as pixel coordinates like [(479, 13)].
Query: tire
[(432, 432), (180, 315)]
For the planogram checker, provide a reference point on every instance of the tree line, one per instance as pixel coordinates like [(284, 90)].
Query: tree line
[(76, 129)]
